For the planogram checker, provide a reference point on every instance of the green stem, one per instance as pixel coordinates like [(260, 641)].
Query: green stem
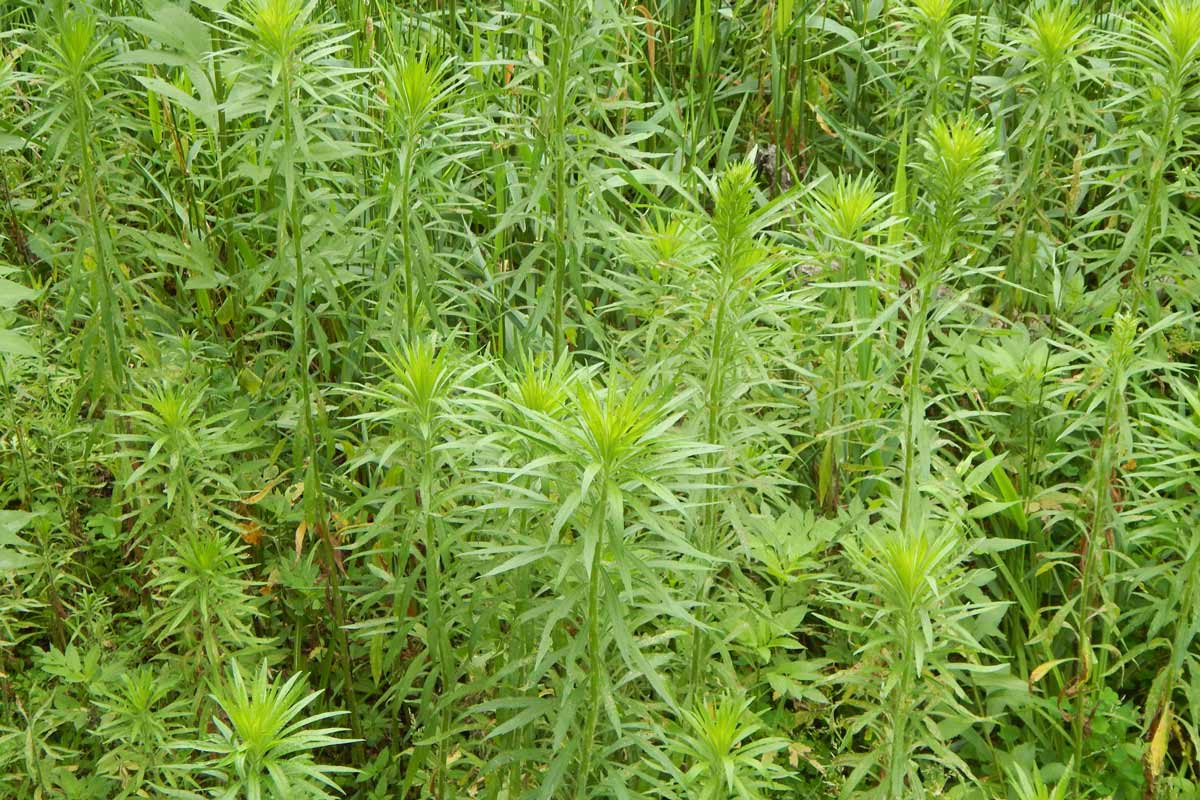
[(521, 647), (438, 642), (1091, 547), (716, 389), (410, 290), (914, 395), (558, 144), (87, 168), (314, 497), (595, 656), (898, 759), (22, 446)]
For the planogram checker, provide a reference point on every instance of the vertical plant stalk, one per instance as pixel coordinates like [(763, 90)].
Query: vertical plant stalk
[(103, 268), (900, 711), (560, 154), (1169, 84), (713, 400), (732, 221), (16, 233), (500, 246), (1143, 294), (522, 649), (595, 653), (960, 158), (410, 289), (914, 399), (315, 516), (15, 425), (1093, 546), (434, 626)]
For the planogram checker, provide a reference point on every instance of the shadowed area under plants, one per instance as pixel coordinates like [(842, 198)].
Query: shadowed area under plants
[(540, 399)]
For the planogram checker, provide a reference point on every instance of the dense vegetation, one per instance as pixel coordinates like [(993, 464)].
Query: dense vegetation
[(557, 398)]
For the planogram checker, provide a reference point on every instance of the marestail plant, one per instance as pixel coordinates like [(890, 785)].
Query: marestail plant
[(598, 400)]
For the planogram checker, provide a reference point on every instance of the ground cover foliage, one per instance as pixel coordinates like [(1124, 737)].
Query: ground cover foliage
[(553, 398)]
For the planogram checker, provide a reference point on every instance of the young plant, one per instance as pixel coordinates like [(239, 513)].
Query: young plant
[(915, 636), (264, 746), (847, 213), (612, 482), (142, 715), (205, 605), (725, 758), (417, 91), (175, 457), (81, 75), (289, 61)]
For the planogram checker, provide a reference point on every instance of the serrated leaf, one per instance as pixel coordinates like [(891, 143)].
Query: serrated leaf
[(175, 27)]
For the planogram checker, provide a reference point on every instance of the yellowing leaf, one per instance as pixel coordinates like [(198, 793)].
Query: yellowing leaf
[(1052, 501), (1157, 751), (825, 125), (258, 496), (797, 751), (1041, 670), (252, 532), (301, 530)]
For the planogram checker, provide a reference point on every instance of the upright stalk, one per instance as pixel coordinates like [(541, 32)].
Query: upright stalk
[(560, 153), (103, 269), (716, 388), (1093, 547), (595, 655), (900, 711), (435, 631), (410, 297), (913, 399), (22, 445), (314, 500)]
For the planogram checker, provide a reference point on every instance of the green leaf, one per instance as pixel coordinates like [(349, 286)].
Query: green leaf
[(993, 544), (11, 561), (632, 654), (173, 26), (983, 471), (11, 522), (12, 343), (989, 508), (12, 293)]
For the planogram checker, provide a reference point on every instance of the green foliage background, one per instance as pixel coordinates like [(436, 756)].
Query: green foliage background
[(550, 398)]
